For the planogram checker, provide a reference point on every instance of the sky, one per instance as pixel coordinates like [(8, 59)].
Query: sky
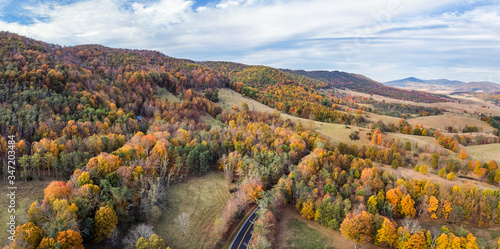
[(381, 39)]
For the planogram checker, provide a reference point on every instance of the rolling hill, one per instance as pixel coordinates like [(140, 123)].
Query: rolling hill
[(363, 84), (444, 86)]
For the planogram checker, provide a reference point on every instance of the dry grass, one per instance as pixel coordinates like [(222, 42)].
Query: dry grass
[(202, 198), (26, 193), (228, 98), (457, 121), (484, 152), (386, 119)]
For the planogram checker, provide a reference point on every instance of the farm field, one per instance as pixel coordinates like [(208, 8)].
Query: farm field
[(201, 198)]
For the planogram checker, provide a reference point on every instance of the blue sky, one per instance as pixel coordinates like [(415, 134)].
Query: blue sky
[(382, 39)]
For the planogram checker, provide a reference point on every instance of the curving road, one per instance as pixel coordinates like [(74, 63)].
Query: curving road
[(245, 234)]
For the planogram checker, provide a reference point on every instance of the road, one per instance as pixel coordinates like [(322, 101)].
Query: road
[(245, 234)]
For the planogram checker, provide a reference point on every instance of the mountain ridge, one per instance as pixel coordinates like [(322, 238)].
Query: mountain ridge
[(444, 85)]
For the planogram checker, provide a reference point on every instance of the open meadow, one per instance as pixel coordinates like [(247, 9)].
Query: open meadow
[(202, 199), (26, 194), (299, 233)]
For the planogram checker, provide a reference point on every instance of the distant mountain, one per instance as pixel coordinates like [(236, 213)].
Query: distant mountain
[(364, 84), (443, 85)]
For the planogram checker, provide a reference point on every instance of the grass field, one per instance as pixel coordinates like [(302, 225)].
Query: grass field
[(454, 120), (386, 119), (202, 198), (297, 232), (431, 142), (303, 236), (163, 94), (228, 98), (26, 193), (484, 152)]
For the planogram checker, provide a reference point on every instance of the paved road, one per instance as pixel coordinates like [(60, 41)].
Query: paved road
[(245, 234)]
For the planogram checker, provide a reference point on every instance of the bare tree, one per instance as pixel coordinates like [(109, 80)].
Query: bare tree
[(183, 221), (423, 205), (411, 224), (141, 230), (228, 170)]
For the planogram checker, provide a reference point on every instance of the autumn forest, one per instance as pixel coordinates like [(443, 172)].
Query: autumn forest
[(114, 130)]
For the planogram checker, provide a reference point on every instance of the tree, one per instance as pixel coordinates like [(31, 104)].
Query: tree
[(395, 164), (307, 210), (27, 236), (104, 164), (105, 223), (57, 190), (156, 242), (424, 169), (183, 221), (387, 233), (442, 241), (463, 154), (141, 230), (433, 206), (70, 239), (435, 160), (358, 228), (471, 242), (408, 206), (451, 176), (416, 241), (442, 172), (393, 196)]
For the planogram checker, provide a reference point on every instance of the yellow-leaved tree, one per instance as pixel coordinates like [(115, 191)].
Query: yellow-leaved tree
[(105, 223), (387, 234), (408, 207)]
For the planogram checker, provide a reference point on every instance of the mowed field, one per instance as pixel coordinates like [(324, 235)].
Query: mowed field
[(297, 232), (26, 193), (454, 120), (484, 152), (201, 198)]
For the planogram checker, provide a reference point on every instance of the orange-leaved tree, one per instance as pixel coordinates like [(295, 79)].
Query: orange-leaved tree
[(358, 228)]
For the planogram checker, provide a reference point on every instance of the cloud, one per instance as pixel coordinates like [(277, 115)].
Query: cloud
[(384, 39)]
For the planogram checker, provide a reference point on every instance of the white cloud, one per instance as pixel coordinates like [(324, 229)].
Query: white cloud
[(367, 37)]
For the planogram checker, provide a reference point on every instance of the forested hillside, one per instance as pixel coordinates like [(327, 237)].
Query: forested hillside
[(89, 115), (363, 84)]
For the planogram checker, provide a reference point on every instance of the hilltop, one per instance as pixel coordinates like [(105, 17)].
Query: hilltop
[(444, 86)]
